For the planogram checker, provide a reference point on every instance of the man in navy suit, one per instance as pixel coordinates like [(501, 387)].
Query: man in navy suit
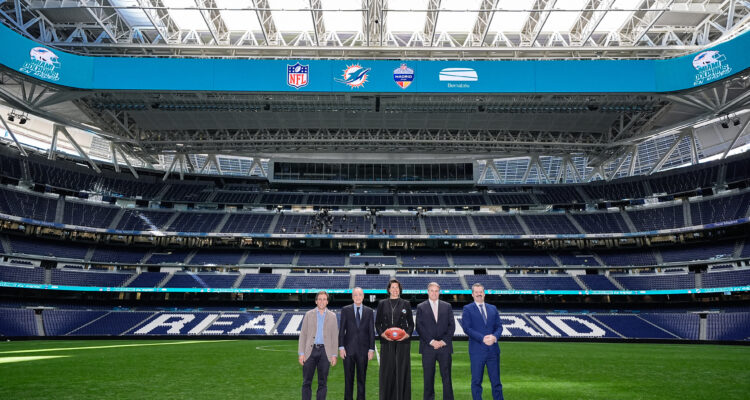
[(481, 323), (436, 325), (357, 343)]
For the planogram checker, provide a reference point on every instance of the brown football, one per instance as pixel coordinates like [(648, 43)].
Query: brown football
[(395, 333)]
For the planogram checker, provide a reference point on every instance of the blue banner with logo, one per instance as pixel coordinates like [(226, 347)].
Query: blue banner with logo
[(374, 76)]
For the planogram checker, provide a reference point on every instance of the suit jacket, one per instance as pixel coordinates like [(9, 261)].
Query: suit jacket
[(357, 339), (309, 328), (473, 324), (430, 330)]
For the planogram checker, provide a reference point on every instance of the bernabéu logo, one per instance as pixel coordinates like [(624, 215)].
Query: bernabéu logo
[(43, 63), (710, 65)]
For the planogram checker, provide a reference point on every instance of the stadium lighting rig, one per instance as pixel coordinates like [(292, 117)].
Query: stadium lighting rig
[(22, 117)]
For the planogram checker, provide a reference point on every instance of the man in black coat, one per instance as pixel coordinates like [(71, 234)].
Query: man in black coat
[(356, 343), (436, 325)]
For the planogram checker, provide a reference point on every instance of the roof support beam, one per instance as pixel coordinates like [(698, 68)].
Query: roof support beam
[(77, 146), (739, 134), (433, 10), (669, 152), (158, 15), (534, 24), (13, 136), (265, 18), (589, 20), (482, 24), (642, 21), (214, 21), (316, 11), (52, 152)]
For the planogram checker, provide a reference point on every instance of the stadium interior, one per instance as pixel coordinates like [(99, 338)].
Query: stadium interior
[(149, 212)]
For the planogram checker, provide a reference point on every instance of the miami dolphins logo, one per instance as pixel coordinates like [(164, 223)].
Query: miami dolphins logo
[(354, 75)]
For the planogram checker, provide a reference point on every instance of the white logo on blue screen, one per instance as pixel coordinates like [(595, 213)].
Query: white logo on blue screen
[(43, 64), (710, 65), (457, 77)]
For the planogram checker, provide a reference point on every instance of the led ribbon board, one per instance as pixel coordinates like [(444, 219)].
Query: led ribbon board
[(379, 76)]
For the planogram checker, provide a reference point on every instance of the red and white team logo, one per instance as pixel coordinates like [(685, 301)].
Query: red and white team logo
[(297, 75)]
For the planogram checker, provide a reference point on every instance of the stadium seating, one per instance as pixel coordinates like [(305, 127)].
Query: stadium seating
[(87, 278), (498, 224), (490, 282), (21, 274), (682, 325), (248, 223), (195, 222), (48, 248), (652, 219), (121, 255), (371, 281), (418, 259), (168, 256), (726, 278), (720, 209), (632, 326), (728, 326), (317, 281), (321, 259), (27, 205), (698, 251), (549, 224), (597, 282), (476, 258), (148, 279), (81, 214), (398, 225), (452, 225), (656, 281), (607, 222), (264, 281), (17, 322), (217, 257), (530, 282), (417, 282)]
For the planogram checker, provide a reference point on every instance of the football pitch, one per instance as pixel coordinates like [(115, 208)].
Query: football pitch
[(268, 369)]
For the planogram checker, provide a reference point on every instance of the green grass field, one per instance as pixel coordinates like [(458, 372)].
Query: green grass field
[(268, 369)]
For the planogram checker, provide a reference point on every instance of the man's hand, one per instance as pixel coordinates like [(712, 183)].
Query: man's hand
[(404, 338), (333, 361), (302, 360), (370, 354), (386, 337), (438, 344), (489, 340), (342, 353)]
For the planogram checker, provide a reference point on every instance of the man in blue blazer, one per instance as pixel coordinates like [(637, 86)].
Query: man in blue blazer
[(357, 343), (481, 323), (436, 325)]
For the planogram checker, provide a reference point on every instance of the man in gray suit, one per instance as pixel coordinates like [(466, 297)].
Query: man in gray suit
[(318, 342)]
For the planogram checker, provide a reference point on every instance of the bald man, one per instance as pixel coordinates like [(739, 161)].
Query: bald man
[(357, 343)]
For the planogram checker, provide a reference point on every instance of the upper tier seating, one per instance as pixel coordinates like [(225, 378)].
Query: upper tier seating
[(490, 282), (87, 278), (88, 214), (416, 259), (551, 282), (597, 282), (533, 259), (417, 282), (217, 257), (371, 281), (322, 258), (27, 205), (698, 251), (656, 282), (260, 281), (144, 220), (21, 274), (124, 255), (549, 223), (498, 224), (723, 208), (169, 256), (398, 225), (322, 281), (453, 225), (418, 200), (627, 257), (248, 223), (148, 279), (606, 222), (48, 248), (652, 219), (558, 195), (476, 258), (502, 199), (726, 278), (196, 222)]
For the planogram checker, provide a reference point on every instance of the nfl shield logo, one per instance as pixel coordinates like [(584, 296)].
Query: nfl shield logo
[(403, 76), (297, 75)]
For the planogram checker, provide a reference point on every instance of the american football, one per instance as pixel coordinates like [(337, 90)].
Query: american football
[(395, 333)]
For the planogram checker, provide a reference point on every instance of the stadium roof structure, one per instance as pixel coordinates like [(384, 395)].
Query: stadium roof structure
[(517, 137)]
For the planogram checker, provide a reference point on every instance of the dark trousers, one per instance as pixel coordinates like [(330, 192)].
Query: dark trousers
[(318, 360), (492, 361), (428, 366), (352, 363)]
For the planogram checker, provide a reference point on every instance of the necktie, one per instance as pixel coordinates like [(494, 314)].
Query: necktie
[(484, 314), (435, 312), (358, 316)]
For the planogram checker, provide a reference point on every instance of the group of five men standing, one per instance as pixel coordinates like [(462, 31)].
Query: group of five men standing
[(320, 337)]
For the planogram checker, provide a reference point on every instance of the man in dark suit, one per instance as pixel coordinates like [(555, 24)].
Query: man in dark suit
[(481, 323), (357, 343), (436, 325)]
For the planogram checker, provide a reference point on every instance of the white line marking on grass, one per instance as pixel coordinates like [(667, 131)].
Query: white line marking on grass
[(271, 348), (114, 346), (7, 360), (377, 354)]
